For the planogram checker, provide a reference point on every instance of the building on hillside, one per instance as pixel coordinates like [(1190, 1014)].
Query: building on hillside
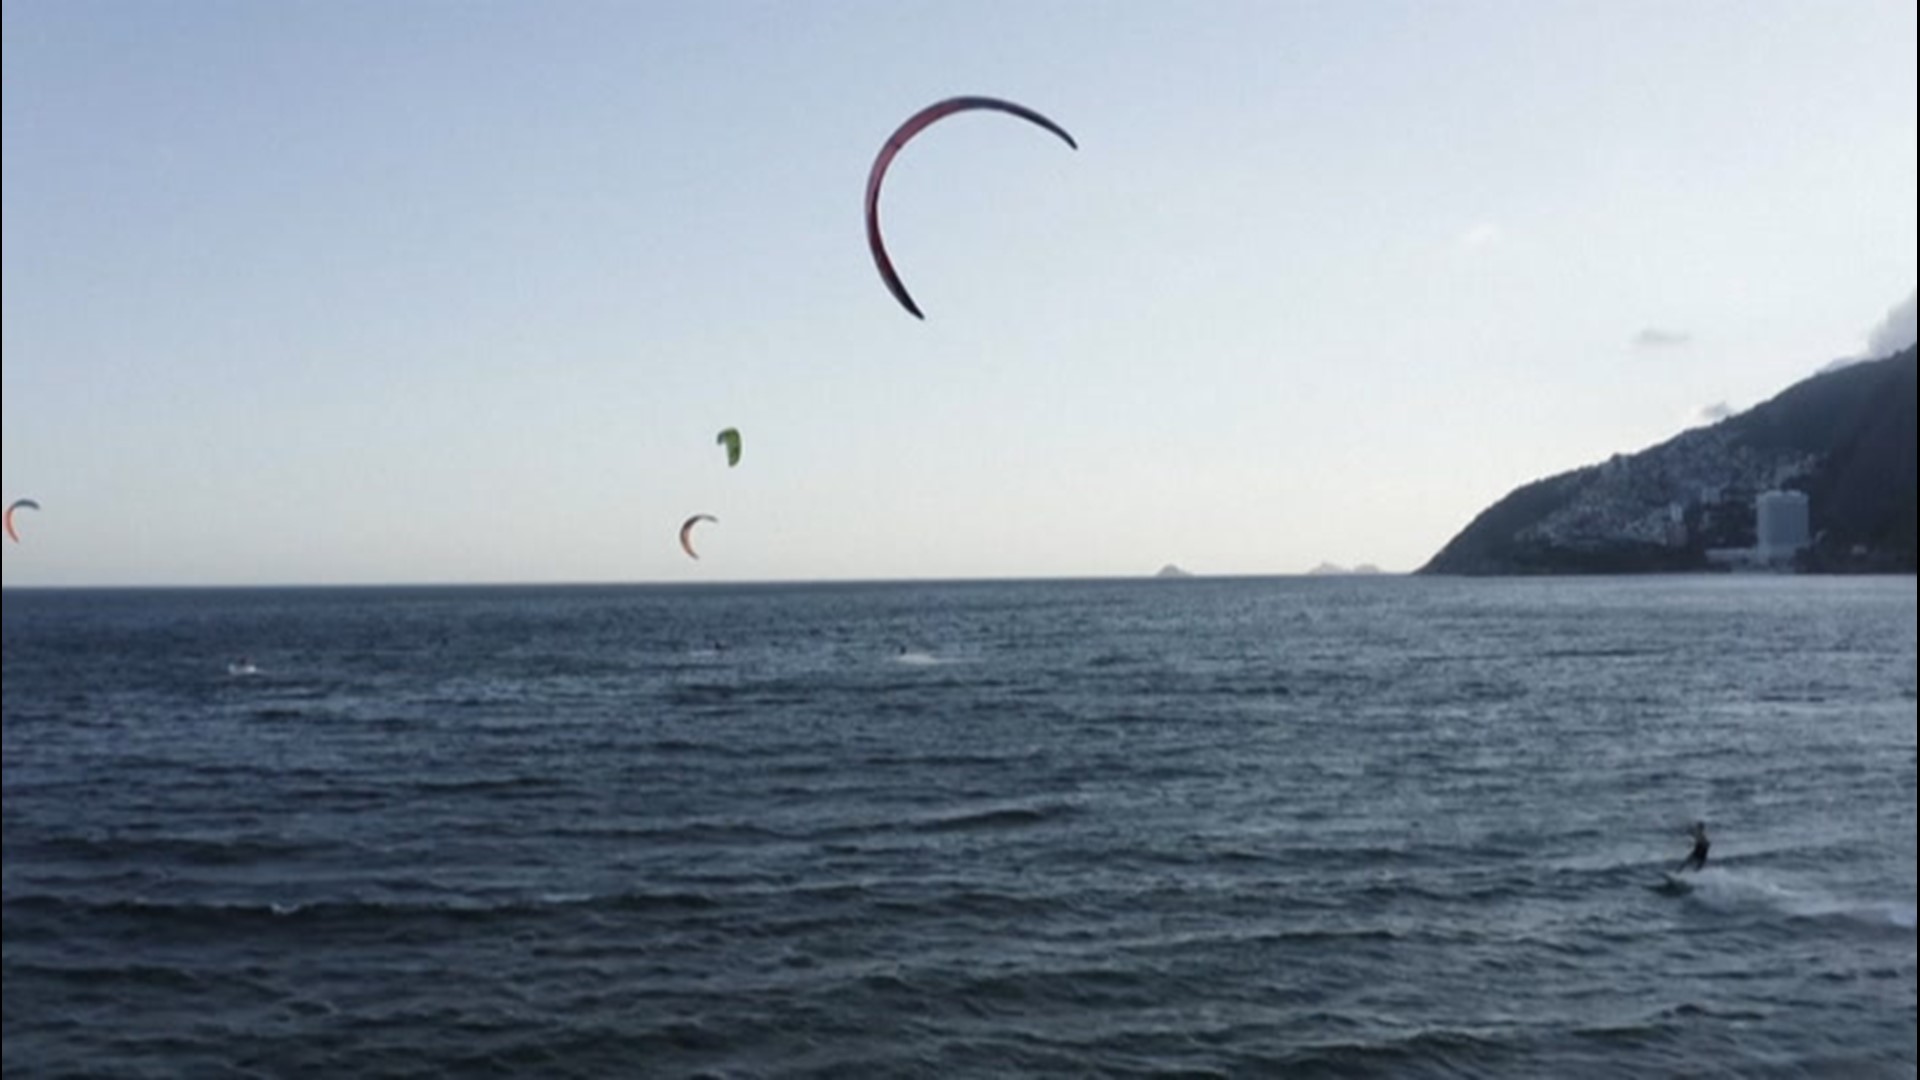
[(1780, 525)]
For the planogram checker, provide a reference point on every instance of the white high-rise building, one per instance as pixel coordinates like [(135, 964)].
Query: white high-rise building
[(1780, 524)]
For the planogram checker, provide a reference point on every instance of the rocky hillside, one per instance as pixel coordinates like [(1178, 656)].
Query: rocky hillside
[(1844, 437)]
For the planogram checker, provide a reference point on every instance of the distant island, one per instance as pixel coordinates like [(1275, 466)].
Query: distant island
[(1819, 479), (1327, 569), (1172, 571)]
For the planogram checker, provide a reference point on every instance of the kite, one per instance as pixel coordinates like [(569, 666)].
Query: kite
[(17, 504), (686, 533), (730, 438), (914, 125)]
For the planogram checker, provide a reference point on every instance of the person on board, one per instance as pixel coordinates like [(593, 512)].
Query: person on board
[(1697, 858)]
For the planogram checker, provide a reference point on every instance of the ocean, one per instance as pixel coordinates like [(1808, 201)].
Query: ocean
[(1299, 827)]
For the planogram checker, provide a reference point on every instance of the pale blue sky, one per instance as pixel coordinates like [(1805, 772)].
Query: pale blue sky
[(376, 292)]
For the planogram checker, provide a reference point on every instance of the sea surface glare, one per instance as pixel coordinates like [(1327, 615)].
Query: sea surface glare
[(1361, 827)]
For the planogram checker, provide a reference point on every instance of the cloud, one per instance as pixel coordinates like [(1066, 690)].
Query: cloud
[(1654, 337), (1895, 332), (1716, 412), (1480, 235)]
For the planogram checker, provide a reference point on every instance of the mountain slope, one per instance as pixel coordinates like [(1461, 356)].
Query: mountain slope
[(1845, 437)]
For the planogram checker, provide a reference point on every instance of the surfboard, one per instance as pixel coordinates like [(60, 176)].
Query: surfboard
[(1671, 884)]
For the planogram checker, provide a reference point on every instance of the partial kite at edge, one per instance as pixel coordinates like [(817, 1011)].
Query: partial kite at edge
[(17, 504), (914, 125)]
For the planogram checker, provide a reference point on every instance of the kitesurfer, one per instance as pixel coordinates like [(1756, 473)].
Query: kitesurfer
[(1697, 858)]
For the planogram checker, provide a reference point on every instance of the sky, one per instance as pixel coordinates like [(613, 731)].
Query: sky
[(361, 292)]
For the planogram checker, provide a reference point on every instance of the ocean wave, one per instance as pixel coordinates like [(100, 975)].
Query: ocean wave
[(689, 832), (1435, 1052), (490, 785), (1101, 986), (93, 976), (1887, 914), (228, 916), (920, 659), (895, 758), (177, 850), (1740, 889), (1003, 817)]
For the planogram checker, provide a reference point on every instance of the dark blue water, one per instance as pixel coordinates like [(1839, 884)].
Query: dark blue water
[(1361, 827)]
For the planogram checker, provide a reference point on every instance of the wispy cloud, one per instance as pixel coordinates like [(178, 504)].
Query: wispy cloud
[(1654, 337), (1480, 236), (1716, 412), (1896, 331)]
